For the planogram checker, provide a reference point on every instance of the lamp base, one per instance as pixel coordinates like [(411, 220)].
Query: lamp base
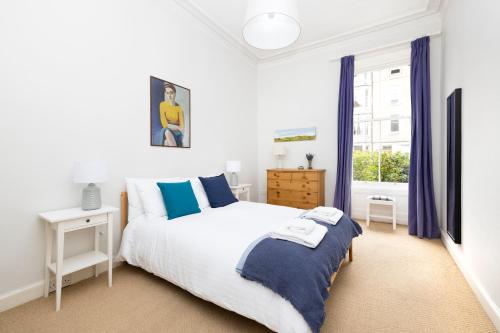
[(233, 180), (91, 197), (279, 164)]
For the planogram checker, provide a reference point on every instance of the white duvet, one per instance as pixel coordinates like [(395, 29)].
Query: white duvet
[(199, 253)]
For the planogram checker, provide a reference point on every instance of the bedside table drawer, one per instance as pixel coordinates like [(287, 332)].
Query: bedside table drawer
[(85, 222)]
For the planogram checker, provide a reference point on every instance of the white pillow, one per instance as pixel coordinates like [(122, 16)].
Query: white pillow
[(134, 202), (152, 201), (135, 207), (199, 193), (151, 198)]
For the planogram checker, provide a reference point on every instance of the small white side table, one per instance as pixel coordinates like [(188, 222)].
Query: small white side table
[(240, 189), (389, 201), (67, 220)]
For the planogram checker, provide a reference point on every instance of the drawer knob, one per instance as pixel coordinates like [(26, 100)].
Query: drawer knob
[(87, 220)]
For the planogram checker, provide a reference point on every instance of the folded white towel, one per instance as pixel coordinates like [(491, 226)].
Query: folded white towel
[(324, 214), (326, 210), (310, 240), (303, 226)]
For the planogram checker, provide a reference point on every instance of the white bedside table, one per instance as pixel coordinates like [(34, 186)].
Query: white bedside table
[(240, 189), (72, 219)]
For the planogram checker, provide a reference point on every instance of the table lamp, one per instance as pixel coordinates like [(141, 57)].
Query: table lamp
[(90, 172), (233, 167), (279, 152)]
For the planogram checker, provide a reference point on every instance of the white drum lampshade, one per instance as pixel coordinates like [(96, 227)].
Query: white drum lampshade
[(279, 151), (233, 167), (271, 24), (90, 172)]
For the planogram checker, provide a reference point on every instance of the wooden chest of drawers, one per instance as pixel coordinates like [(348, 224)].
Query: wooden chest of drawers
[(296, 188)]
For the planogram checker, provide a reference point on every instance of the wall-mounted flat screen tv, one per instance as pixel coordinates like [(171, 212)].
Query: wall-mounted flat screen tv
[(454, 166)]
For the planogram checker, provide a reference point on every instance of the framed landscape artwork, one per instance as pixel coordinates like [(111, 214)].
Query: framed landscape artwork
[(170, 114), (295, 134)]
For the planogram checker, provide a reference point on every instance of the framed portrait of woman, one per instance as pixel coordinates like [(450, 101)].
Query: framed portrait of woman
[(170, 114)]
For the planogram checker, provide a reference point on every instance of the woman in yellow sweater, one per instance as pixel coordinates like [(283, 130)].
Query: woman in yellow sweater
[(172, 117)]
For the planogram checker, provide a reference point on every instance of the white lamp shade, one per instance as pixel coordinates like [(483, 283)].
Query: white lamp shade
[(95, 171), (279, 150), (271, 24), (233, 166)]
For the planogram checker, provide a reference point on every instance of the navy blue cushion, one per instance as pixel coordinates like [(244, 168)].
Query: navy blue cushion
[(218, 192), (179, 199)]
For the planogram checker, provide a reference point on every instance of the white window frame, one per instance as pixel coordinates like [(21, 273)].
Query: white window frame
[(399, 57)]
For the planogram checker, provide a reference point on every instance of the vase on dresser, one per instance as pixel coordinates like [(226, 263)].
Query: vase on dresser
[(309, 158)]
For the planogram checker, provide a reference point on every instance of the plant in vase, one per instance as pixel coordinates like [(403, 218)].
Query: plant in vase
[(309, 157)]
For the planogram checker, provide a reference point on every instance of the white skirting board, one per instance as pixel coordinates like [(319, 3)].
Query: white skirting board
[(492, 310), (33, 291), (20, 296)]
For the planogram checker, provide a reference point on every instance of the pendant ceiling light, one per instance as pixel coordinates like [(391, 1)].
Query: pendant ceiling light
[(271, 24)]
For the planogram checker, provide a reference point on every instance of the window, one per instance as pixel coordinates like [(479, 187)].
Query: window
[(357, 129), (394, 124), (382, 128), (393, 93)]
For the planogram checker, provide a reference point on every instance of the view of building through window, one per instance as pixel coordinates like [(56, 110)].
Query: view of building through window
[(382, 125)]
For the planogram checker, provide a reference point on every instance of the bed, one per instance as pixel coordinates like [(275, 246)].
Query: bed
[(207, 270)]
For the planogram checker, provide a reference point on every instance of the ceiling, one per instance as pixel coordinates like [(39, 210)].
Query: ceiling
[(322, 21)]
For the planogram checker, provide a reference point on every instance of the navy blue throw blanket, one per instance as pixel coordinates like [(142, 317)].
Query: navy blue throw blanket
[(297, 273)]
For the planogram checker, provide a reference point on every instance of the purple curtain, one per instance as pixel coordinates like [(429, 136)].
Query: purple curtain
[(342, 197), (422, 215)]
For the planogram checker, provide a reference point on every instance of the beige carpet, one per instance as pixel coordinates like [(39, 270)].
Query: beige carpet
[(396, 283)]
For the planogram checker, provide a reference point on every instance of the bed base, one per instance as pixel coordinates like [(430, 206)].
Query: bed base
[(124, 220)]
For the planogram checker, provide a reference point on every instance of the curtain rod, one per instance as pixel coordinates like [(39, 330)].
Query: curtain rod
[(388, 46)]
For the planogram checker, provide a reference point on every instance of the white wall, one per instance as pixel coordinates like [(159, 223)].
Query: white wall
[(74, 82), (303, 91), (470, 62)]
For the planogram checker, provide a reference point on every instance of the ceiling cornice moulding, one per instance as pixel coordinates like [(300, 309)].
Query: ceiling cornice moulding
[(219, 30), (348, 35), (433, 7)]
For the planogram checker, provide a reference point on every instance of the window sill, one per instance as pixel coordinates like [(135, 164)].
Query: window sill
[(380, 188)]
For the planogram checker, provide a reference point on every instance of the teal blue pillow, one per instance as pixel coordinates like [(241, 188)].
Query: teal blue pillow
[(179, 199)]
